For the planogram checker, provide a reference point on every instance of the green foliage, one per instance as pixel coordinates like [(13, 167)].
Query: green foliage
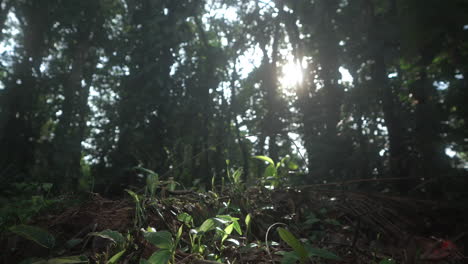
[(24, 201), (61, 260), (91, 90), (235, 177), (273, 174), (140, 215), (302, 252), (36, 234), (45, 239), (114, 236), (292, 241), (163, 87), (114, 259), (320, 253), (166, 244), (161, 239)]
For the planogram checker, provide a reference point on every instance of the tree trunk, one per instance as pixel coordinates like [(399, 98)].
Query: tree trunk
[(72, 122), (20, 122)]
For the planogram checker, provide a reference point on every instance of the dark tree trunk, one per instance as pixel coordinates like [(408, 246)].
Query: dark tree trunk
[(72, 123), (332, 95), (20, 120), (233, 113), (429, 145)]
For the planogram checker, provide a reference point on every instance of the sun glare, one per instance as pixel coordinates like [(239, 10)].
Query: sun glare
[(291, 75)]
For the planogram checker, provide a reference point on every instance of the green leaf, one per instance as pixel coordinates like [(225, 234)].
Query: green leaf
[(248, 218), (68, 260), (227, 218), (265, 158), (229, 229), (160, 257), (293, 242), (208, 225), (73, 242), (290, 258), (321, 253), (36, 234), (185, 218), (292, 165), (146, 170), (179, 232), (144, 261), (116, 257), (237, 227), (134, 195), (178, 236), (247, 221), (282, 161), (270, 171), (33, 261), (161, 239), (112, 235)]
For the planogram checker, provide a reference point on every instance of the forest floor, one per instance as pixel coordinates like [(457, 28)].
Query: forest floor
[(246, 226)]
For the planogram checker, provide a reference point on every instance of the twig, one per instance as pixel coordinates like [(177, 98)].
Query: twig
[(266, 239)]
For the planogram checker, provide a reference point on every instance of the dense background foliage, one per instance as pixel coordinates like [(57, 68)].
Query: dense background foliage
[(90, 89)]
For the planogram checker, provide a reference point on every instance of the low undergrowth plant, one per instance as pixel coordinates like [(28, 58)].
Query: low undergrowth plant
[(302, 251), (274, 175), (166, 244), (45, 239)]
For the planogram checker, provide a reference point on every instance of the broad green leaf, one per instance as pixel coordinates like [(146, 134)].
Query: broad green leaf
[(160, 257), (292, 165), (237, 227), (68, 260), (161, 239), (229, 229), (208, 225), (227, 217), (290, 258), (224, 237), (144, 261), (116, 257), (73, 242), (185, 218), (221, 220), (293, 242), (265, 158), (112, 235), (33, 261), (36, 234), (270, 171), (321, 253)]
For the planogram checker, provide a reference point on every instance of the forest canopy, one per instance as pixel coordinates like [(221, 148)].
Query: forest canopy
[(339, 90), (233, 131)]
